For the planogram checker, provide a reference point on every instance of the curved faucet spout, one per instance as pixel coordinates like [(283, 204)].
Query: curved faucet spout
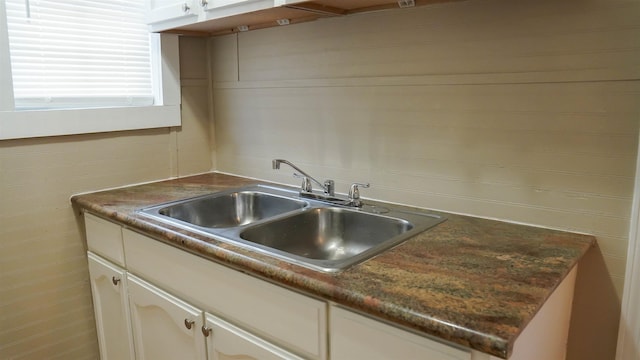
[(327, 187)]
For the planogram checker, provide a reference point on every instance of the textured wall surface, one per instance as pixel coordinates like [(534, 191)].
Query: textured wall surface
[(524, 111), (45, 298)]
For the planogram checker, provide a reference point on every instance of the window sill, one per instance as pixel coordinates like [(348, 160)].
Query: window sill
[(42, 123)]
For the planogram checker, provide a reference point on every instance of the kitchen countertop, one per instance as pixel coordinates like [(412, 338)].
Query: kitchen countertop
[(470, 281)]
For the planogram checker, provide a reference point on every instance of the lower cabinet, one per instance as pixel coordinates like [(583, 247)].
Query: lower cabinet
[(137, 319), (164, 327), (167, 328), (111, 307), (161, 303), (228, 342), (194, 309), (279, 316), (354, 336)]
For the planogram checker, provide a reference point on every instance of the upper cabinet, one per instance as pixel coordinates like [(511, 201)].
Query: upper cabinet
[(167, 14), (218, 17), (288, 2), (216, 9)]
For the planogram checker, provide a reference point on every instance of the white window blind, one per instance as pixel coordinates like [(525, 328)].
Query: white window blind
[(79, 53)]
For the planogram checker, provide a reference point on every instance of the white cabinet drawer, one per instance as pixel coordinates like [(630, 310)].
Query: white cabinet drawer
[(104, 238), (292, 320), (355, 337)]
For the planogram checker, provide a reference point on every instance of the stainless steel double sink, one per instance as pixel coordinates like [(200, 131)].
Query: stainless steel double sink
[(279, 222)]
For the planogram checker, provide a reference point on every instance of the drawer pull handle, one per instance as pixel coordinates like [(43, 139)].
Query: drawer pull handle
[(115, 280), (185, 8), (206, 331), (188, 323)]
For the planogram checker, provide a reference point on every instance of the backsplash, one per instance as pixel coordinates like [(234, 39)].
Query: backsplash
[(520, 111)]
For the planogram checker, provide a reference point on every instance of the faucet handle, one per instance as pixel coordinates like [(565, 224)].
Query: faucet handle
[(354, 193), (329, 187), (306, 183)]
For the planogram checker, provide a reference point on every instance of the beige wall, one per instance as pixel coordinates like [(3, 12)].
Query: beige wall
[(45, 299), (525, 111)]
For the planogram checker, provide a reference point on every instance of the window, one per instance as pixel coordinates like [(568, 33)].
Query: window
[(79, 53), (77, 66)]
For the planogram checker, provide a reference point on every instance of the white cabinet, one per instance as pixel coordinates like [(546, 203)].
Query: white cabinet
[(354, 337), (167, 14), (288, 2), (104, 238), (164, 327), (216, 9), (228, 342), (111, 307), (159, 312), (281, 316), (165, 303)]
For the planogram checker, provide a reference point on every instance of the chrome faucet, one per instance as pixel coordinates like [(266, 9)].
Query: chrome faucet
[(328, 186)]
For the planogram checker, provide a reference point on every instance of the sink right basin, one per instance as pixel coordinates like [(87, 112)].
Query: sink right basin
[(326, 233), (332, 239)]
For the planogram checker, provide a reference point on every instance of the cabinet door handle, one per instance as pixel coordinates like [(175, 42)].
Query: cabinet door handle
[(115, 280), (206, 331), (188, 323), (204, 3), (185, 8)]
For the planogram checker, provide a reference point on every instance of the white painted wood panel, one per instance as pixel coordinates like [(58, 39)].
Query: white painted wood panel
[(228, 342), (355, 337), (160, 320), (104, 238), (6, 79), (545, 337)]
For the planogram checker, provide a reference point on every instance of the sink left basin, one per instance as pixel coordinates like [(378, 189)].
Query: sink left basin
[(227, 209)]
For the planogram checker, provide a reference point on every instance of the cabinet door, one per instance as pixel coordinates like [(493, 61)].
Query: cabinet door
[(165, 14), (111, 307), (287, 2), (164, 327), (354, 337), (283, 317), (227, 342), (216, 9)]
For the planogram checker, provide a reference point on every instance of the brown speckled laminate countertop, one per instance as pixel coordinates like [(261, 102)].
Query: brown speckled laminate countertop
[(470, 281)]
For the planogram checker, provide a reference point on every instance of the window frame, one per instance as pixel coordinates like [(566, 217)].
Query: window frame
[(19, 124)]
